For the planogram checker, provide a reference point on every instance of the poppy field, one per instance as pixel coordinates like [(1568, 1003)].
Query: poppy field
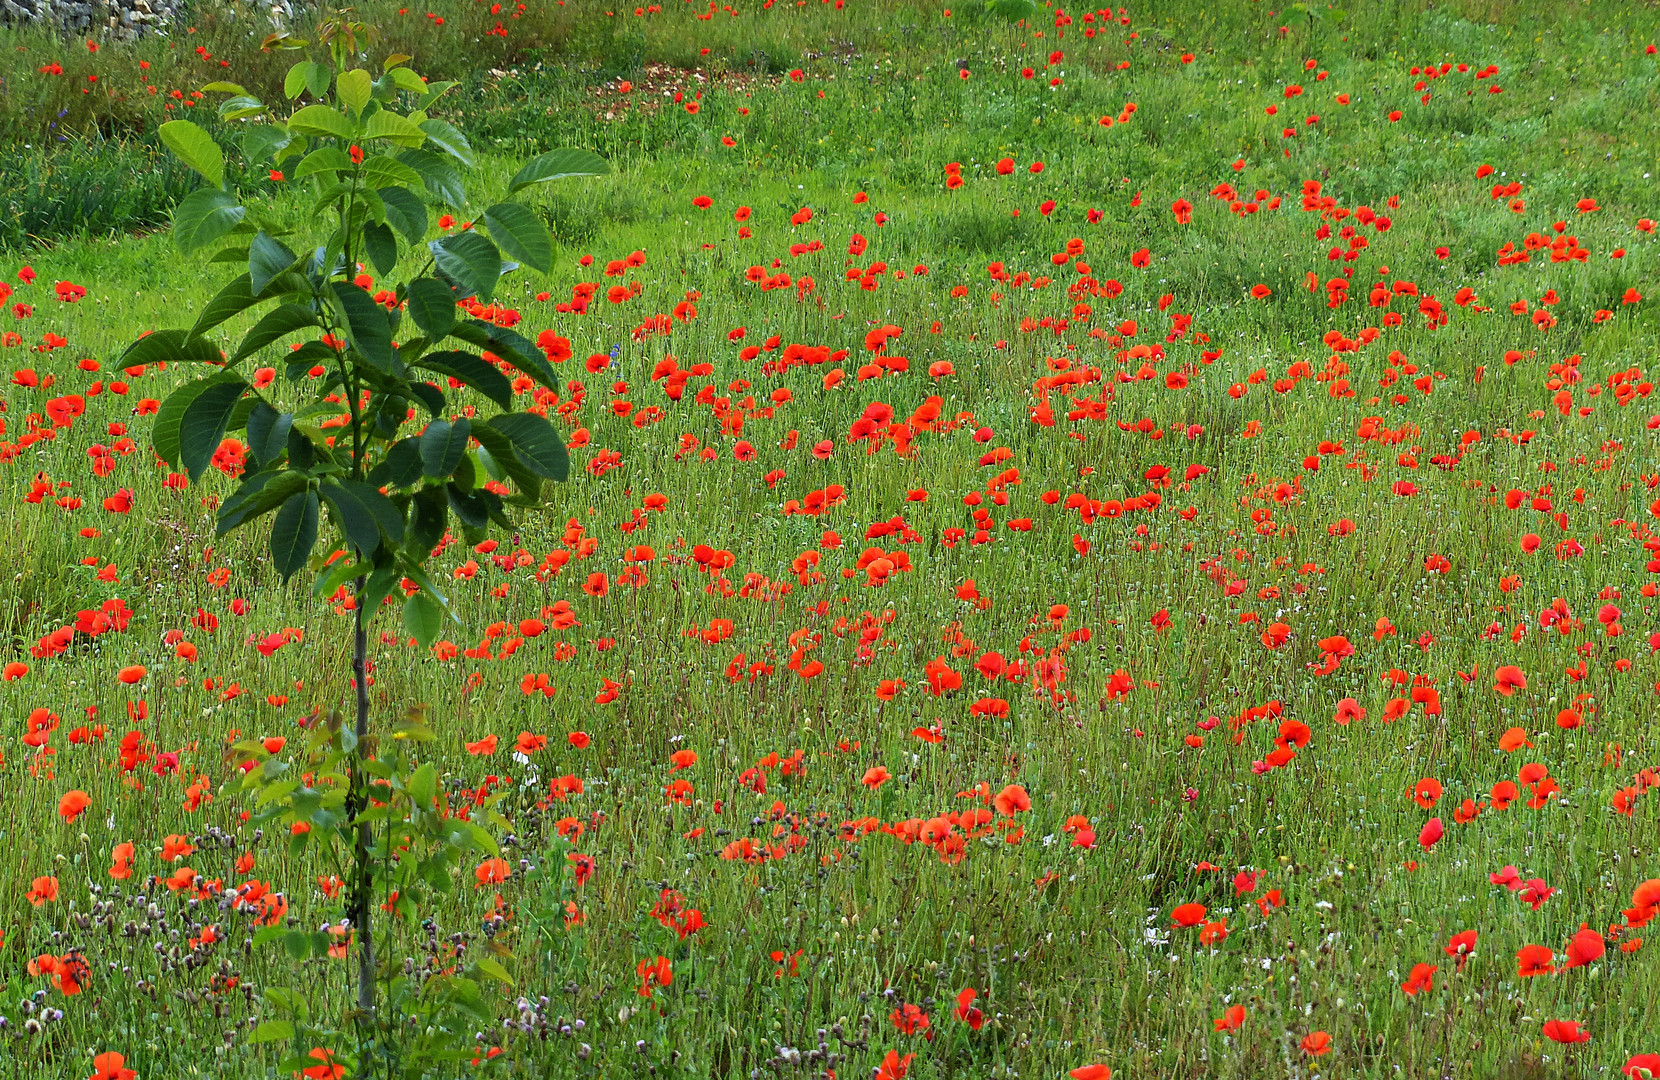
[(1096, 543)]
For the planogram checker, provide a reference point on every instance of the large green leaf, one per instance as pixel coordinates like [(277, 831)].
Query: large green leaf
[(322, 120), (473, 371), (442, 445), (401, 467), (557, 165), (405, 212), (432, 306), (511, 346), (164, 433), (205, 419), (366, 324), (240, 107), (522, 234), (267, 433), (324, 159), (382, 248), (449, 140), (258, 496), (469, 260), (234, 298), (169, 347), (267, 258), (535, 443), (195, 148), (294, 533), (380, 584), (382, 170), (408, 80), (395, 129), (422, 786), (352, 88), (260, 140), (204, 216), (306, 75), (423, 617), (363, 514), (271, 1031), (496, 454), (442, 181), (428, 517), (276, 325)]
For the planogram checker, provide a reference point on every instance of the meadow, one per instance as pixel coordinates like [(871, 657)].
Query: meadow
[(1096, 543)]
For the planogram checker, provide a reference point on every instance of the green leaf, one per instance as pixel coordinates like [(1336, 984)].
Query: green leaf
[(432, 306), (164, 434), (352, 88), (428, 516), (422, 786), (408, 80), (322, 120), (401, 467), (513, 347), (429, 396), (276, 325), (240, 107), (405, 212), (324, 159), (305, 75), (233, 299), (442, 445), (381, 247), (170, 347), (449, 140), (204, 216), (267, 433), (203, 427), (492, 967), (363, 514), (535, 443), (366, 323), (472, 371), (469, 260), (261, 140), (294, 533), (259, 495), (379, 586), (495, 453), (271, 1031), (442, 182), (264, 937), (267, 258), (195, 148), (224, 88), (557, 165), (522, 234), (423, 616), (338, 573), (382, 171), (394, 129), (481, 838)]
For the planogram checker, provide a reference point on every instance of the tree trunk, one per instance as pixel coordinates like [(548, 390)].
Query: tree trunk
[(358, 801)]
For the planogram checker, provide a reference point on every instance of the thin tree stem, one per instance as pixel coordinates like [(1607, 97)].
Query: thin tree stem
[(362, 874)]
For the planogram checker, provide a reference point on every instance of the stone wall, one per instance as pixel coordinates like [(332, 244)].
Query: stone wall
[(124, 20), (117, 18)]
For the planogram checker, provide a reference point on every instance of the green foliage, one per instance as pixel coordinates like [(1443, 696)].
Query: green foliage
[(372, 169), (429, 845), (387, 490)]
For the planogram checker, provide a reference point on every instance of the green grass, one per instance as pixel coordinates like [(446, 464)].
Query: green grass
[(1070, 949)]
